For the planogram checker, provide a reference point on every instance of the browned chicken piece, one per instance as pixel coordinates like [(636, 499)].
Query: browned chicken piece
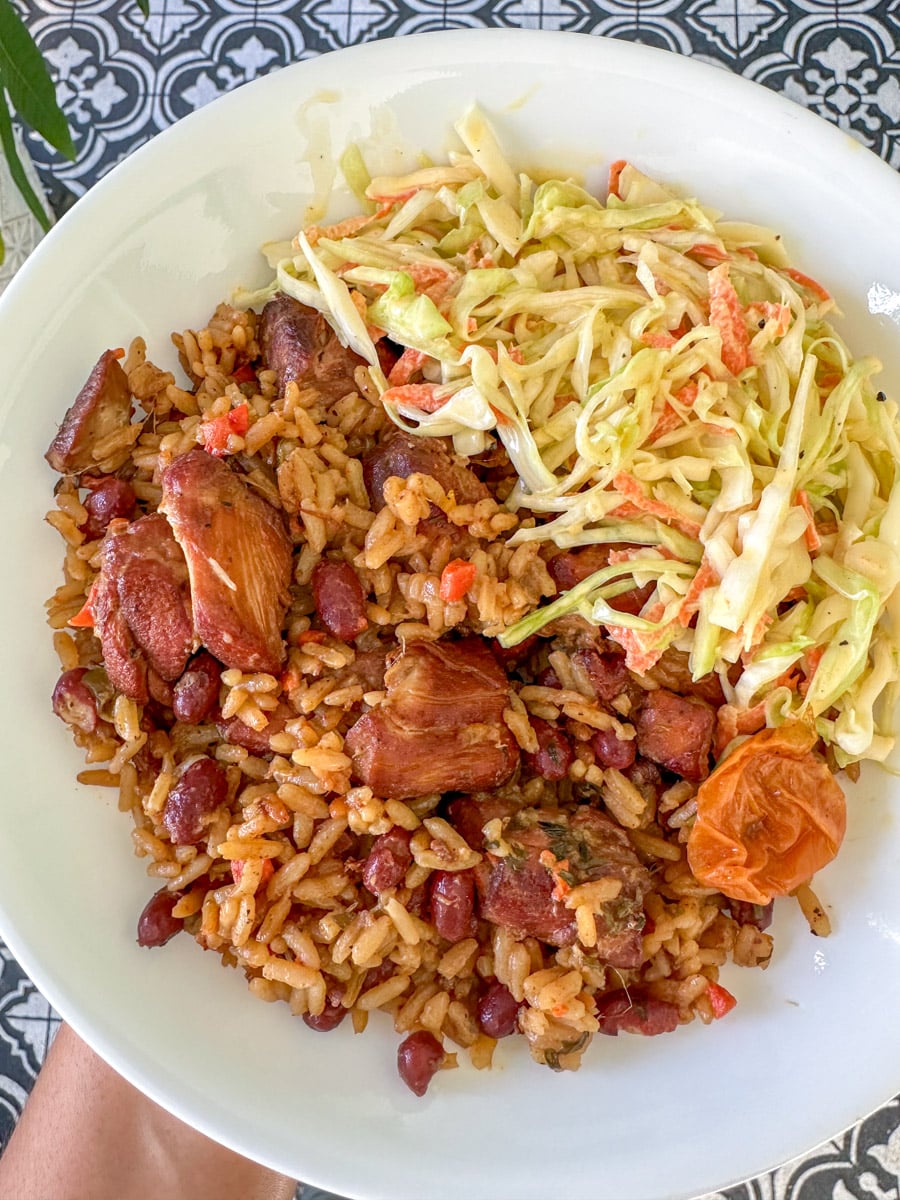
[(469, 814), (101, 407), (239, 733), (141, 604), (239, 557), (300, 346), (403, 455), (673, 671), (677, 732), (520, 891), (440, 728)]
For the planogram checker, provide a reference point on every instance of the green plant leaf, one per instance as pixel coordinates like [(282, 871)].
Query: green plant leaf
[(144, 6), (2, 249), (16, 169), (29, 84)]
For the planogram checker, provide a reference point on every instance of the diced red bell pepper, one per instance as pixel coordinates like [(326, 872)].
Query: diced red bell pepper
[(456, 579), (84, 618), (720, 999), (215, 433)]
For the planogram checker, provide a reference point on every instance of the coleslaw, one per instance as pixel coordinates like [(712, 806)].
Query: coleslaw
[(660, 378)]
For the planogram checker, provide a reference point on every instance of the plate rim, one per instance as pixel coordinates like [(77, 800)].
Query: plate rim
[(523, 44)]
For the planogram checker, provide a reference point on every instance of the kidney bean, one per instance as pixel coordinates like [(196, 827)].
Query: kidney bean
[(631, 1012), (759, 915), (510, 657), (548, 678), (156, 925), (607, 672), (453, 904), (417, 903), (554, 756), (74, 702), (419, 1058), (238, 734), (339, 599), (329, 1018), (109, 498), (380, 974), (193, 800), (197, 691), (647, 778), (498, 1011), (613, 751), (388, 860)]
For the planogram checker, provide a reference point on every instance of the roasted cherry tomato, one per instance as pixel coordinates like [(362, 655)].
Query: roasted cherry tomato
[(768, 817)]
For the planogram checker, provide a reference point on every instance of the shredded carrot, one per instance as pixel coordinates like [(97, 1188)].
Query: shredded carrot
[(406, 366), (813, 658), (475, 260), (341, 230), (686, 395), (758, 634), (359, 303), (766, 310), (629, 487), (427, 397), (615, 174), (727, 316), (431, 280), (662, 340), (748, 252), (513, 353), (389, 200), (626, 511), (789, 679), (704, 578), (709, 250), (810, 534), (640, 656), (667, 421), (806, 282)]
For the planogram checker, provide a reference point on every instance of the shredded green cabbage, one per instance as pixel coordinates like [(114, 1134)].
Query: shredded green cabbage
[(660, 378)]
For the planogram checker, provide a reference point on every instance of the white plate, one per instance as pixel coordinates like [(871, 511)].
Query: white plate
[(813, 1044)]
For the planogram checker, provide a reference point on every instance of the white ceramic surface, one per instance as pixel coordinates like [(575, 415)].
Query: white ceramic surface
[(813, 1044)]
